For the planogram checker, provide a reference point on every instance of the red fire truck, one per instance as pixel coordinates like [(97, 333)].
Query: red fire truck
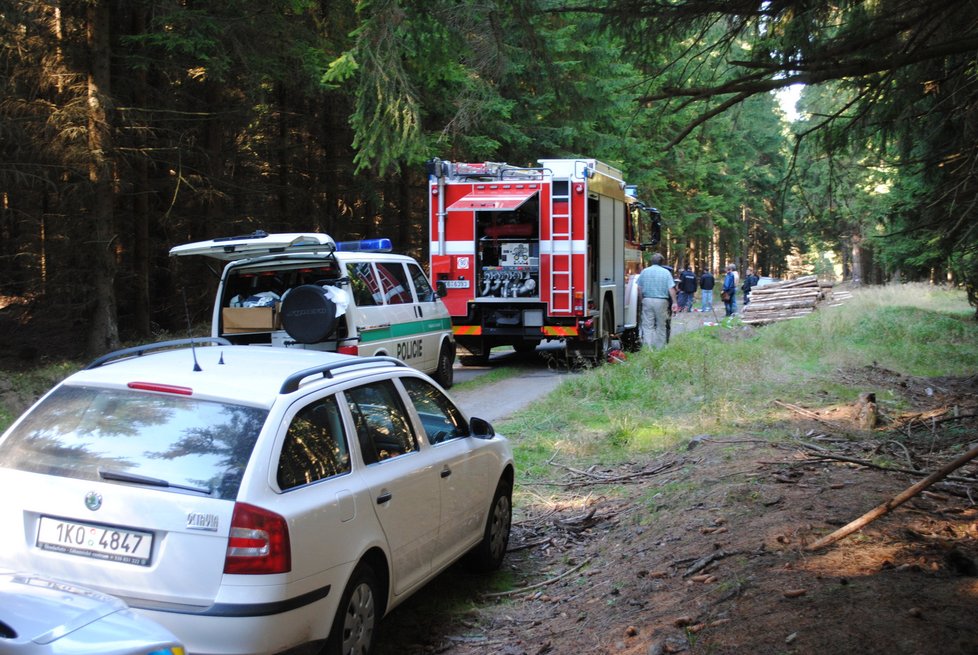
[(534, 254)]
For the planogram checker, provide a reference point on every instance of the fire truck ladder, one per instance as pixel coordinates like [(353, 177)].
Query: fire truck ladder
[(561, 289)]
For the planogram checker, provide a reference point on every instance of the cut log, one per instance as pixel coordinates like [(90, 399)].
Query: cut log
[(895, 502), (804, 292), (779, 304), (785, 300)]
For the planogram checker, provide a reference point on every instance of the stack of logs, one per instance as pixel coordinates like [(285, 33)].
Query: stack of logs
[(784, 300)]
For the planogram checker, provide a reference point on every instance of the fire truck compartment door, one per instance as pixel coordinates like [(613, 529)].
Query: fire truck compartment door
[(492, 199)]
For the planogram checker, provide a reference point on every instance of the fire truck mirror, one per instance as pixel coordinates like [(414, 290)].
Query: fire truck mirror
[(656, 235), (441, 288)]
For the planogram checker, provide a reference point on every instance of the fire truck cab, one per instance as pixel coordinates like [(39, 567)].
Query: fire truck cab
[(535, 254)]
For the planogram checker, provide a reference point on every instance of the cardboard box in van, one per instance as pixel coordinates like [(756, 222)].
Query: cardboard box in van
[(250, 319)]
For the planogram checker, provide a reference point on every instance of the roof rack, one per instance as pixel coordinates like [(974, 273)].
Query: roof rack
[(139, 351), (291, 383)]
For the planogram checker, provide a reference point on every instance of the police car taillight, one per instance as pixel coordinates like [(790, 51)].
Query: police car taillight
[(365, 245)]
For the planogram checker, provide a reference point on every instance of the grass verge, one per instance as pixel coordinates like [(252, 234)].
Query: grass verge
[(721, 380)]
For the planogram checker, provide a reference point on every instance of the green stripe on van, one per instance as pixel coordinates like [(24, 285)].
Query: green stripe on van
[(407, 329)]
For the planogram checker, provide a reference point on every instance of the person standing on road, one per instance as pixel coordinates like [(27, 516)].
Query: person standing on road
[(729, 293), (707, 282), (750, 281), (687, 289), (656, 288)]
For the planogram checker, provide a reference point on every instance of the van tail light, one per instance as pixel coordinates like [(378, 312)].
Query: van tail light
[(348, 350), (258, 542)]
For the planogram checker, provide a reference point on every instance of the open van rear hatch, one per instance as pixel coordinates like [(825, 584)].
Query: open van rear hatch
[(257, 244)]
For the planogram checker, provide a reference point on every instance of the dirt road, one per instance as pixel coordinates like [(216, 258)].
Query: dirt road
[(497, 400)]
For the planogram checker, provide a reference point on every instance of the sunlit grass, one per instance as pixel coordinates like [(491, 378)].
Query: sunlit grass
[(721, 380)]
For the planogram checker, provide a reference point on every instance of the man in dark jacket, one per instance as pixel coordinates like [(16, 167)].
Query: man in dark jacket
[(687, 289), (750, 281), (729, 291), (707, 282)]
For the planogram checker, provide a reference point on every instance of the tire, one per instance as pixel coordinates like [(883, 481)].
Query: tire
[(474, 360), (357, 616), (445, 373), (308, 315), (607, 329), (488, 554)]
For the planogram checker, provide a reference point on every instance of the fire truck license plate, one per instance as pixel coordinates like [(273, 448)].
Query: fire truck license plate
[(456, 284), (96, 541)]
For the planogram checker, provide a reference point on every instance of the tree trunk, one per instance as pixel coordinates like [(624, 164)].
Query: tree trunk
[(856, 255), (405, 233), (745, 240), (140, 211), (103, 330), (283, 156)]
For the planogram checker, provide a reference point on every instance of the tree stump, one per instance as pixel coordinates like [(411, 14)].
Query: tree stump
[(867, 416)]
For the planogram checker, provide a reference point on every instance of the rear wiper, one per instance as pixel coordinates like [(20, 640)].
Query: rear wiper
[(122, 476)]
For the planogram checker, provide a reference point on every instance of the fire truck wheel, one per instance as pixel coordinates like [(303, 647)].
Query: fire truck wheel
[(445, 373), (474, 360), (607, 328), (308, 315)]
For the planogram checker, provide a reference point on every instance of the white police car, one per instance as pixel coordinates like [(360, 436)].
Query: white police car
[(252, 500), (307, 291)]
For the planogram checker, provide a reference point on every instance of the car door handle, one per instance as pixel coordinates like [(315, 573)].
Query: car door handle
[(445, 472), (384, 497)]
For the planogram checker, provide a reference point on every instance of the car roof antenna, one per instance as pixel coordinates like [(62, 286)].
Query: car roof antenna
[(193, 348)]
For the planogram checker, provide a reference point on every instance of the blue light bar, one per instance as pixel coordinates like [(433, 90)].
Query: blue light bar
[(365, 245)]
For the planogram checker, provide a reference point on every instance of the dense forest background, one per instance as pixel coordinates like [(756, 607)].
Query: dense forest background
[(130, 126)]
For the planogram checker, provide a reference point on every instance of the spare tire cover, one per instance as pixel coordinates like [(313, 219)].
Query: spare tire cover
[(308, 315)]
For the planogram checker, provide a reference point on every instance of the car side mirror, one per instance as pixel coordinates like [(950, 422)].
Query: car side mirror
[(441, 289), (481, 428)]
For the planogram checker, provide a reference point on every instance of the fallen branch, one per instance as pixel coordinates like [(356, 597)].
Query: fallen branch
[(563, 575), (593, 478), (895, 502), (823, 454), (578, 522), (704, 562), (959, 417), (531, 544)]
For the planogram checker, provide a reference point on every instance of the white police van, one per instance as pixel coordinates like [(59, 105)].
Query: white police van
[(307, 291)]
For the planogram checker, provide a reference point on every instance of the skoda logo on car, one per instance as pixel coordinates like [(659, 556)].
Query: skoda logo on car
[(93, 501)]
